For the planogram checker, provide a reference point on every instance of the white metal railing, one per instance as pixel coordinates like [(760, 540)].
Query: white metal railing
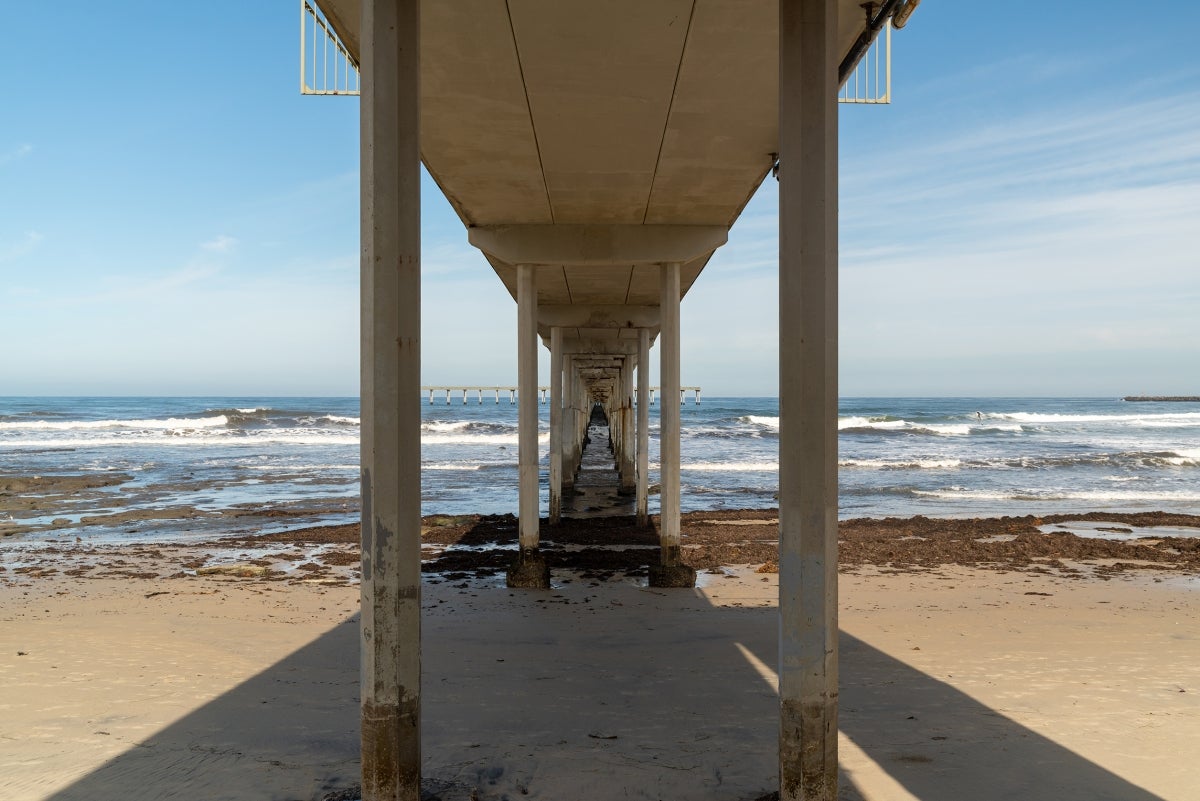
[(326, 66), (871, 81)]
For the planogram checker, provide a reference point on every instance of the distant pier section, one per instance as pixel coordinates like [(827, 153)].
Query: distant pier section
[(543, 393), (1162, 398)]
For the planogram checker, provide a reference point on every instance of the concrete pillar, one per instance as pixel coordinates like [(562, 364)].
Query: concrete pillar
[(628, 432), (643, 427), (556, 425), (390, 644), (530, 569), (671, 572), (808, 194), (567, 443)]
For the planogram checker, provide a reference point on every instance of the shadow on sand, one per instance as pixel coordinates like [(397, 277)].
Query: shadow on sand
[(590, 691)]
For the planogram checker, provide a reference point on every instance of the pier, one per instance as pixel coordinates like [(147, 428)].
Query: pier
[(597, 189), (513, 392), (1162, 398)]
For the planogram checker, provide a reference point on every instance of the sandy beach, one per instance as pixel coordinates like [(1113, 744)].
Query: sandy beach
[(988, 669)]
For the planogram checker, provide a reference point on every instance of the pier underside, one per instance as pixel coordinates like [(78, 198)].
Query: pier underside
[(597, 154)]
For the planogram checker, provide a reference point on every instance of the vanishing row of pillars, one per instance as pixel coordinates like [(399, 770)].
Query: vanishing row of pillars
[(391, 420), (571, 400)]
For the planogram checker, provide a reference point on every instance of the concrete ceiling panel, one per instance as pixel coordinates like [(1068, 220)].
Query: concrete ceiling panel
[(599, 77), (477, 138), (723, 126)]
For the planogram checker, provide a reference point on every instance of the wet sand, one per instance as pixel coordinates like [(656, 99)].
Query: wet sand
[(980, 659)]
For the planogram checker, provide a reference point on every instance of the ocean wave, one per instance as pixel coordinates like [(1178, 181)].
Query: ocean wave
[(901, 464), (760, 420), (872, 425), (732, 467), (297, 468), (337, 418), (1163, 420), (229, 439), (476, 439), (1095, 496), (451, 466), (154, 424)]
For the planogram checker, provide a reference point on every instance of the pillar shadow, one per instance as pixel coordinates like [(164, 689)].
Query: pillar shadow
[(940, 744), (592, 691), (288, 733)]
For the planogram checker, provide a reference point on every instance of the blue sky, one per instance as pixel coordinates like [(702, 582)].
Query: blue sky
[(176, 219)]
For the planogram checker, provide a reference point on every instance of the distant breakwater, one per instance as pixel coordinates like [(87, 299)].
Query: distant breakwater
[(1162, 398)]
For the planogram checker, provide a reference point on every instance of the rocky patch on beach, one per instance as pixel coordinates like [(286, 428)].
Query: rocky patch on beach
[(484, 544), (459, 547)]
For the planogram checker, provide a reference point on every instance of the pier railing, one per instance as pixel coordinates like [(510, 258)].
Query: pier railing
[(327, 68), (467, 392)]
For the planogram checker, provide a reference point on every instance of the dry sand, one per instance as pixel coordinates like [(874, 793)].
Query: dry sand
[(147, 681)]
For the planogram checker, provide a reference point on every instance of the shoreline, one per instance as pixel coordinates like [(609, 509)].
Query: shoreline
[(133, 668)]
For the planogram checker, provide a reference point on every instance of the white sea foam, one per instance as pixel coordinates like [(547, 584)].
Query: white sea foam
[(444, 426), (336, 418), (133, 440), (760, 420), (1185, 457), (1166, 419), (255, 409), (452, 466), (295, 468), (901, 464), (170, 423), (1100, 496), (939, 429), (475, 439), (732, 467)]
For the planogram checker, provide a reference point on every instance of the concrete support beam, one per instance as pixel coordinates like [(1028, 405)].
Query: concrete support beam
[(615, 246), (671, 572), (643, 428), (390, 643), (593, 316), (808, 302), (530, 569), (556, 426)]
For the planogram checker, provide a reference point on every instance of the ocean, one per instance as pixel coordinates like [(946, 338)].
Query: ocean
[(187, 468)]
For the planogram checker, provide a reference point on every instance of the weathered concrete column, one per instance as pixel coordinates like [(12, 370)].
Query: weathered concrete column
[(643, 427), (628, 431), (808, 193), (569, 426), (671, 572), (530, 569), (556, 425), (391, 397)]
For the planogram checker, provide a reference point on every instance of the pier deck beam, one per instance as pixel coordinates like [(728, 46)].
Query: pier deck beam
[(390, 631), (530, 568), (808, 302), (670, 572)]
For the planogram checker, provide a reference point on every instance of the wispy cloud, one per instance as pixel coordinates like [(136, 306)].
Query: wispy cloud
[(221, 244), (16, 154), (27, 244)]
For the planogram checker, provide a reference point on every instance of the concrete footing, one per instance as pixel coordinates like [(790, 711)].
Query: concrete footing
[(529, 571), (671, 572), (672, 576)]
